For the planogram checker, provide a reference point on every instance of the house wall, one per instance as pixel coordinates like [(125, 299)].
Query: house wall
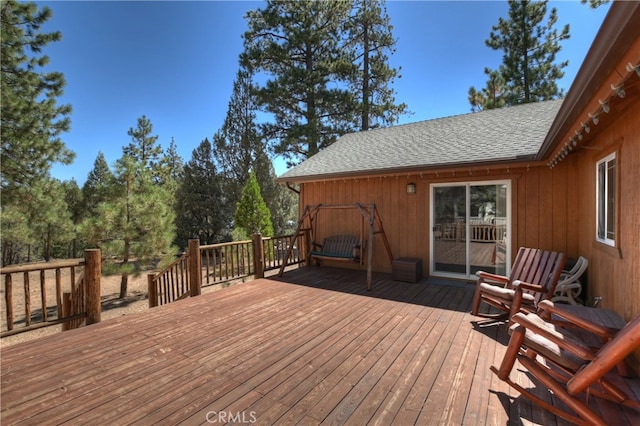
[(614, 273), (542, 208), (551, 209)]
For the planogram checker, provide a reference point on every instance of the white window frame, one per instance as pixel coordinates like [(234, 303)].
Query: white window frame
[(604, 200), (467, 185)]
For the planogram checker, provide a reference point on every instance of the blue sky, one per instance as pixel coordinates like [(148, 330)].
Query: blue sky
[(175, 62)]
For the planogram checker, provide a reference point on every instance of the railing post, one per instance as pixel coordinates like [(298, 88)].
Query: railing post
[(92, 274), (66, 310), (306, 247), (195, 267), (152, 291), (258, 255)]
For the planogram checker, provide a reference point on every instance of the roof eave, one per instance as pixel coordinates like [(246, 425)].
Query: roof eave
[(616, 35), (523, 160)]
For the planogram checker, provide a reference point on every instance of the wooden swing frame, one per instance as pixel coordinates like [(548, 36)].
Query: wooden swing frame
[(369, 215)]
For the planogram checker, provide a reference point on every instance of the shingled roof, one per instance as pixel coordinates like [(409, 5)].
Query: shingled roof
[(499, 135)]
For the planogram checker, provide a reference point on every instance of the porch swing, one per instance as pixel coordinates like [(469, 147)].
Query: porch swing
[(341, 248)]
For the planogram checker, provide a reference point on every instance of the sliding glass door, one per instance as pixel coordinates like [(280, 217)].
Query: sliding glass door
[(469, 228)]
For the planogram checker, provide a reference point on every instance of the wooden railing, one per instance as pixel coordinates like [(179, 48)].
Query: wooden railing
[(479, 232), (172, 283), (275, 250), (211, 264), (68, 301), (227, 261)]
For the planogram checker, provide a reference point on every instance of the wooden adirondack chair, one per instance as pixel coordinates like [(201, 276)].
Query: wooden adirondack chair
[(565, 365), (533, 278)]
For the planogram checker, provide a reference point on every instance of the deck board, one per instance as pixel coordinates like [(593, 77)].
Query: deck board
[(313, 347)]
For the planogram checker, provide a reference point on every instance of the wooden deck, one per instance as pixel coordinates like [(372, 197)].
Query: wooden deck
[(311, 348)]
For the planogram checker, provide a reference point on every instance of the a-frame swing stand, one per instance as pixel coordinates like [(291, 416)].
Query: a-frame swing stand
[(370, 219)]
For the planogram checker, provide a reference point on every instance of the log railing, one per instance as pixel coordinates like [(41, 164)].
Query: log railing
[(48, 299), (226, 261), (211, 264), (275, 250)]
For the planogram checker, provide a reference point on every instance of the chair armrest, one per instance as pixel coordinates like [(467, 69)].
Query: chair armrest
[(547, 308), (492, 277), (528, 286), (546, 330), (314, 244)]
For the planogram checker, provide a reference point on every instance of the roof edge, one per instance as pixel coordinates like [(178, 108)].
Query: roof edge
[(616, 35), (514, 162)]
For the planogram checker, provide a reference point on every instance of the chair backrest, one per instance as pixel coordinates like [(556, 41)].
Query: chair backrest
[(608, 356), (541, 267), (340, 245), (572, 275)]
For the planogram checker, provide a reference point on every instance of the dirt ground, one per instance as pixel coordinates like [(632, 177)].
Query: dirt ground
[(112, 306), (136, 300)]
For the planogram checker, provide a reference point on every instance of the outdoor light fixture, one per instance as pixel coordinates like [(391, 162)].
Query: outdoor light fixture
[(631, 68), (411, 188), (594, 118), (605, 106)]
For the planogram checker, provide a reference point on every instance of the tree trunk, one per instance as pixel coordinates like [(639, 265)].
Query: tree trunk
[(123, 285), (365, 79)]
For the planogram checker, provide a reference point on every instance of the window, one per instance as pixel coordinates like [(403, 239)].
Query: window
[(606, 200)]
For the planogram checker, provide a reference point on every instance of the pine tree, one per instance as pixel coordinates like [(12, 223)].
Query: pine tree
[(31, 120), (137, 221), (530, 47), (97, 186), (370, 36), (204, 211), (73, 198), (39, 222), (252, 214), (50, 217), (172, 164), (492, 96), (298, 47), (239, 150), (143, 147), (238, 145)]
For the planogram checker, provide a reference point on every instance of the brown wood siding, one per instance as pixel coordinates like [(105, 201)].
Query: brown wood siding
[(613, 274), (551, 209), (406, 216)]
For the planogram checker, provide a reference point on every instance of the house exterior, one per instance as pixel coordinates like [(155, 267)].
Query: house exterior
[(462, 193)]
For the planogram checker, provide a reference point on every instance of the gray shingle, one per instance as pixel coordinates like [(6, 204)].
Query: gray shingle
[(487, 136)]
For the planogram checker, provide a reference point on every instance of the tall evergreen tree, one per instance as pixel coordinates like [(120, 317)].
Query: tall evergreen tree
[(36, 224), (298, 47), (529, 69), (17, 234), (239, 150), (204, 212), (172, 163), (97, 186), (492, 96), (51, 219), (137, 221), (73, 198), (370, 36), (144, 148), (31, 119), (238, 145)]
